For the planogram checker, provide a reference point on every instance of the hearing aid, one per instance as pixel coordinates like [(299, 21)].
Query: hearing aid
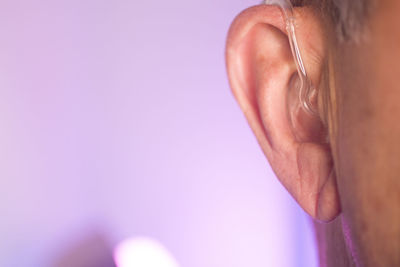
[(307, 90)]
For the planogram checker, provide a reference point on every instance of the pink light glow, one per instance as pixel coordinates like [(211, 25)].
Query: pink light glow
[(143, 252)]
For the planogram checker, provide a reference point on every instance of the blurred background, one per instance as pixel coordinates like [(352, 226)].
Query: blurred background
[(117, 123)]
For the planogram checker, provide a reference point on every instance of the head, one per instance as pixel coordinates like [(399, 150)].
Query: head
[(343, 162)]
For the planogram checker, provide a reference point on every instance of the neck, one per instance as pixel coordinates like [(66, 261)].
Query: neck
[(332, 246)]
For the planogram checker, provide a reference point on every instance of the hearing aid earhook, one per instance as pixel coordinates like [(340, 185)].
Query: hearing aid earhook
[(307, 90)]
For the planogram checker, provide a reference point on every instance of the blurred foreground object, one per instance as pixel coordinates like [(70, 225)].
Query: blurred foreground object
[(92, 251)]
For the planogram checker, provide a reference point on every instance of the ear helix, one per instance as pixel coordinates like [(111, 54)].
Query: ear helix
[(307, 90)]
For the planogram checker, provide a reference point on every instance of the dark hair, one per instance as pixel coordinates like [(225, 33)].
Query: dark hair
[(347, 15)]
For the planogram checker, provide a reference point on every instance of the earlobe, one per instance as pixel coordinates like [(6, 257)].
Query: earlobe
[(262, 74)]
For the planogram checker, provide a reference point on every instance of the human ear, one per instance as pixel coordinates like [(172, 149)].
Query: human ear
[(264, 80)]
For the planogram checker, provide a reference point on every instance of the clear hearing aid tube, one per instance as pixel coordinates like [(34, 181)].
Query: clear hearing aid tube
[(307, 91)]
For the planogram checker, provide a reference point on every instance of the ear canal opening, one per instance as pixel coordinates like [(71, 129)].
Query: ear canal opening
[(305, 127)]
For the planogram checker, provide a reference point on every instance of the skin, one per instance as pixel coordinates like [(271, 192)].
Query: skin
[(368, 142), (341, 166)]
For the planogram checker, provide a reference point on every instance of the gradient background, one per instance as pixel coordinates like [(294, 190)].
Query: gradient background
[(117, 121)]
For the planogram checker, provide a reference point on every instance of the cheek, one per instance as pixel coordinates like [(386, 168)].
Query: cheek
[(368, 146)]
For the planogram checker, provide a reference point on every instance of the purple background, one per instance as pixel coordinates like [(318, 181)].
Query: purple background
[(116, 119)]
